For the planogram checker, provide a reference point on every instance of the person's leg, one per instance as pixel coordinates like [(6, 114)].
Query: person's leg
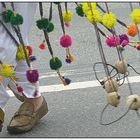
[(34, 106), (4, 97), (10, 59), (29, 89)]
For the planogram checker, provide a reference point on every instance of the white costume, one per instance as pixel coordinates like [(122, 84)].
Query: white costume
[(8, 51)]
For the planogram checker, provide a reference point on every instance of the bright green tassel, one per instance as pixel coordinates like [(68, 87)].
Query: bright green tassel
[(6, 15), (42, 23), (55, 63)]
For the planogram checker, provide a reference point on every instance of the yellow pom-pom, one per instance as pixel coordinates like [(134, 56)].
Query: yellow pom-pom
[(7, 70), (94, 16), (135, 15), (87, 6), (20, 53), (67, 16), (109, 20)]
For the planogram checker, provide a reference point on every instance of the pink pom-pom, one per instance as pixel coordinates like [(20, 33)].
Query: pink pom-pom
[(68, 24), (124, 43), (113, 41), (65, 41)]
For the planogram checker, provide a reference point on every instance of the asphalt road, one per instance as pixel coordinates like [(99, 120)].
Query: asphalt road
[(76, 113)]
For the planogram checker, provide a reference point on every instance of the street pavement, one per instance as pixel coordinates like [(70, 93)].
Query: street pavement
[(76, 113)]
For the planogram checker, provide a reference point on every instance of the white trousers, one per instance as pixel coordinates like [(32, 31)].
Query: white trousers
[(8, 51)]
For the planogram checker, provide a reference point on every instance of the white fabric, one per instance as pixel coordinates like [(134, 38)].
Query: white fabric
[(8, 51)]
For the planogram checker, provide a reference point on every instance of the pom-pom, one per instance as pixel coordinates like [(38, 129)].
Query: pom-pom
[(6, 15), (123, 37), (135, 15), (1, 78), (132, 30), (113, 99), (20, 53), (19, 89), (138, 42), (110, 84), (67, 16), (50, 27), (55, 63), (67, 81), (30, 50), (7, 70), (42, 23), (32, 75), (133, 102), (124, 40), (109, 20), (65, 41), (113, 41), (121, 66), (94, 16), (138, 48), (124, 43), (87, 6), (68, 24), (42, 45), (79, 11), (69, 59), (16, 19), (32, 58)]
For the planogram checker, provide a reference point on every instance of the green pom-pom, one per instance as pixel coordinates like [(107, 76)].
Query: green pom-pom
[(79, 11), (6, 15), (50, 27), (16, 19), (42, 23), (20, 19), (55, 63)]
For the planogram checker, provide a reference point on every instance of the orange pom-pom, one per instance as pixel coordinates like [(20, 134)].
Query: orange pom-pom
[(132, 29), (1, 78), (71, 58), (42, 45)]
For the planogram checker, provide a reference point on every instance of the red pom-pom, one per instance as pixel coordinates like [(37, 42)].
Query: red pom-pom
[(138, 48), (30, 49), (20, 89), (42, 45)]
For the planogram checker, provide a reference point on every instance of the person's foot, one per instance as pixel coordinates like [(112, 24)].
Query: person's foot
[(1, 119), (37, 102), (27, 116)]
